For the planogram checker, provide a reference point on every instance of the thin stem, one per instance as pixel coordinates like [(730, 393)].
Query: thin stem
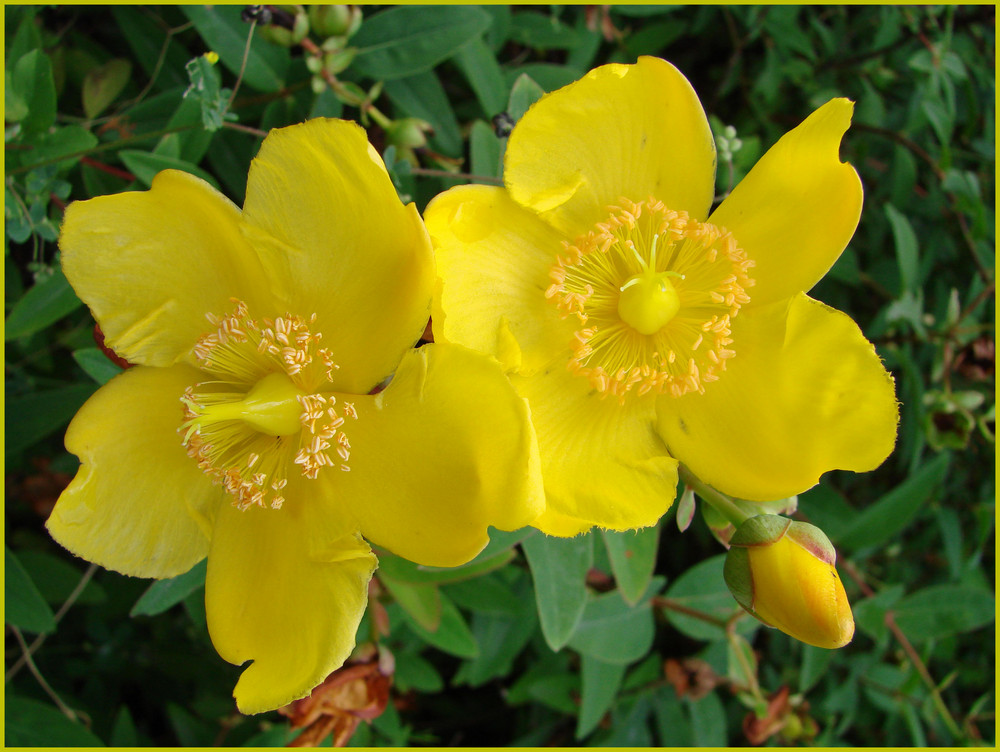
[(245, 129), (922, 153), (40, 640), (672, 605), (921, 667), (66, 710), (243, 66), (110, 146), (890, 621), (719, 501)]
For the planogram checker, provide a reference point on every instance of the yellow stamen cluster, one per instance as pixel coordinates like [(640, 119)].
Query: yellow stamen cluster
[(648, 242), (240, 426)]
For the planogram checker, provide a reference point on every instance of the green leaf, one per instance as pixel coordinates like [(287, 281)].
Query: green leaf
[(545, 32), (501, 638), (147, 39), (708, 721), (633, 558), (57, 579), (480, 67), (559, 569), (124, 733), (869, 614), (29, 723), (815, 662), (600, 683), (34, 83), (672, 725), (27, 38), (741, 663), (406, 40), (906, 248), (403, 570), (191, 730), (942, 122), (207, 92), (68, 144), (43, 305), (895, 510), (31, 417), (226, 34), (15, 107), (25, 607), (702, 589), (547, 75), (487, 594), (452, 636), (524, 93), (940, 611), (145, 166), (96, 364), (421, 601), (485, 151), (422, 96), (615, 632), (164, 594), (414, 672), (102, 85)]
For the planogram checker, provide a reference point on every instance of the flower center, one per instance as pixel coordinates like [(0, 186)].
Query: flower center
[(266, 408), (656, 292), (648, 300)]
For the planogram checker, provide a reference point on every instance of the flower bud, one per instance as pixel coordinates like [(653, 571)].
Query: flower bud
[(335, 20), (289, 27), (782, 572), (408, 133)]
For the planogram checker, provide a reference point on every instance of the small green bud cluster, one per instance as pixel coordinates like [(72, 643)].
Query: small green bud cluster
[(728, 144), (288, 25)]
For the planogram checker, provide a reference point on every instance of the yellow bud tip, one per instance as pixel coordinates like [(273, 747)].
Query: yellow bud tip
[(212, 57), (800, 594), (648, 302)]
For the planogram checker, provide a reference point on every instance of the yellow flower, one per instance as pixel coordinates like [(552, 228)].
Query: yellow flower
[(248, 432), (643, 330), (783, 573)]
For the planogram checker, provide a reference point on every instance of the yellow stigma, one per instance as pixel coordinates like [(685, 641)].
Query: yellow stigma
[(266, 406), (655, 293)]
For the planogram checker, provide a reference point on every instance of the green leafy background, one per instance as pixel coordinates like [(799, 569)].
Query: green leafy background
[(609, 639)]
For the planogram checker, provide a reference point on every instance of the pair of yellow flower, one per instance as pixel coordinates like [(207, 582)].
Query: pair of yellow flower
[(593, 326)]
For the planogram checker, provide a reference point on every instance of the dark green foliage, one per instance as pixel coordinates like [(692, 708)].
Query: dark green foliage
[(653, 649)]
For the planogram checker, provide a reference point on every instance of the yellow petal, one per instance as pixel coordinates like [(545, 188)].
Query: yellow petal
[(444, 452), (138, 504), (799, 594), (151, 264), (284, 591), (806, 393), (322, 213), (798, 208), (493, 262), (603, 463), (622, 130)]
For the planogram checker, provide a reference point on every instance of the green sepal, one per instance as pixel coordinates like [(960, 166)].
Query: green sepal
[(762, 530), (739, 579), (813, 540)]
